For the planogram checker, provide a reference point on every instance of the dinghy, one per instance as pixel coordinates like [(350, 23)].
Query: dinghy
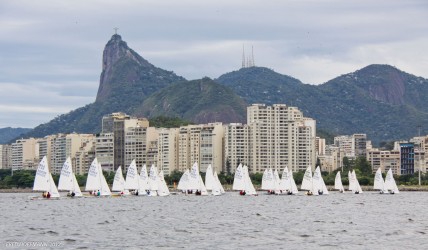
[(308, 184), (43, 181), (318, 182), (119, 182), (162, 187), (354, 185), (96, 183), (248, 185), (153, 181), (196, 183), (218, 188), (132, 181), (379, 183), (390, 184), (67, 180), (338, 183), (183, 183), (144, 187)]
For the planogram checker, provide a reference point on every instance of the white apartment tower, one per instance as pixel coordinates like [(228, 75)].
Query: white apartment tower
[(25, 154), (280, 136), (167, 149), (236, 146), (200, 143), (137, 140)]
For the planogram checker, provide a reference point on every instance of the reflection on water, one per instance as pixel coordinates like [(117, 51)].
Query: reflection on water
[(338, 221)]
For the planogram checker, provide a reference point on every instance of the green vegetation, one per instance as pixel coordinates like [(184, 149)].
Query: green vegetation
[(168, 122)]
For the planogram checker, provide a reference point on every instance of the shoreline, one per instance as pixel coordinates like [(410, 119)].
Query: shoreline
[(330, 188)]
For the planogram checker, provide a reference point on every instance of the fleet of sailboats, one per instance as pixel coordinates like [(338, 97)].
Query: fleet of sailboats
[(153, 183)]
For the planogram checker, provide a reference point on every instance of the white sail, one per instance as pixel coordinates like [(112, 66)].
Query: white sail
[(351, 180), (132, 177), (41, 180), (217, 189), (294, 189), (338, 182), (238, 181), (285, 184), (269, 183), (390, 183), (379, 183), (163, 188), (93, 181), (317, 181), (119, 181), (202, 187), (66, 177), (276, 181), (52, 188), (153, 179), (144, 181), (194, 178), (264, 178), (307, 180), (76, 188), (249, 187), (357, 187), (183, 184), (209, 178), (105, 190)]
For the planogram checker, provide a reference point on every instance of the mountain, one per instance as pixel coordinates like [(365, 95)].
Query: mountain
[(379, 100), (126, 80), (7, 134), (200, 101)]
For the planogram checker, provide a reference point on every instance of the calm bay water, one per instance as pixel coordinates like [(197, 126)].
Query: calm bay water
[(335, 221)]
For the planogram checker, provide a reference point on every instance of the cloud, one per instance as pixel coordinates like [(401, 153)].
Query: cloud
[(50, 51)]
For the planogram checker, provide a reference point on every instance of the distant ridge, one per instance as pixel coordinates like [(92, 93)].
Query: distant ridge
[(380, 100), (7, 134)]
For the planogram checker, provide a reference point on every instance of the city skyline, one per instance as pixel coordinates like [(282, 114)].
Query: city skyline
[(51, 52)]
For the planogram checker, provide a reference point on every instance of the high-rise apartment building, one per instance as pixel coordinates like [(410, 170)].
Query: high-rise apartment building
[(118, 123), (136, 144), (104, 151), (25, 154), (280, 136), (5, 156), (167, 149), (201, 143), (236, 146)]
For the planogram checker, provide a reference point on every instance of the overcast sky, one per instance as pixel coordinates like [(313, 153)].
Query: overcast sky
[(50, 51)]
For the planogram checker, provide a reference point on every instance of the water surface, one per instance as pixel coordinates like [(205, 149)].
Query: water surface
[(335, 221)]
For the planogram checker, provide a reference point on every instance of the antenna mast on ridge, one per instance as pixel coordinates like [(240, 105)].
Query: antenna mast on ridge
[(243, 56)]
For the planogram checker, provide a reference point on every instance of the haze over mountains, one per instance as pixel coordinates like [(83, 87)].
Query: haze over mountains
[(379, 100)]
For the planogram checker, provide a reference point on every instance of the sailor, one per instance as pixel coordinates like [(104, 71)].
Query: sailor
[(73, 194), (98, 193), (48, 195)]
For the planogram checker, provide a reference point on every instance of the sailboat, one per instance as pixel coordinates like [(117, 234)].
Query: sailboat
[(119, 182), (319, 182), (379, 183), (238, 180), (287, 184), (248, 185), (43, 181), (153, 181), (268, 181), (196, 183), (144, 186), (132, 181), (211, 183), (96, 182), (218, 188), (183, 183), (338, 183), (276, 182), (390, 183), (162, 187), (354, 185), (67, 180), (308, 183)]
